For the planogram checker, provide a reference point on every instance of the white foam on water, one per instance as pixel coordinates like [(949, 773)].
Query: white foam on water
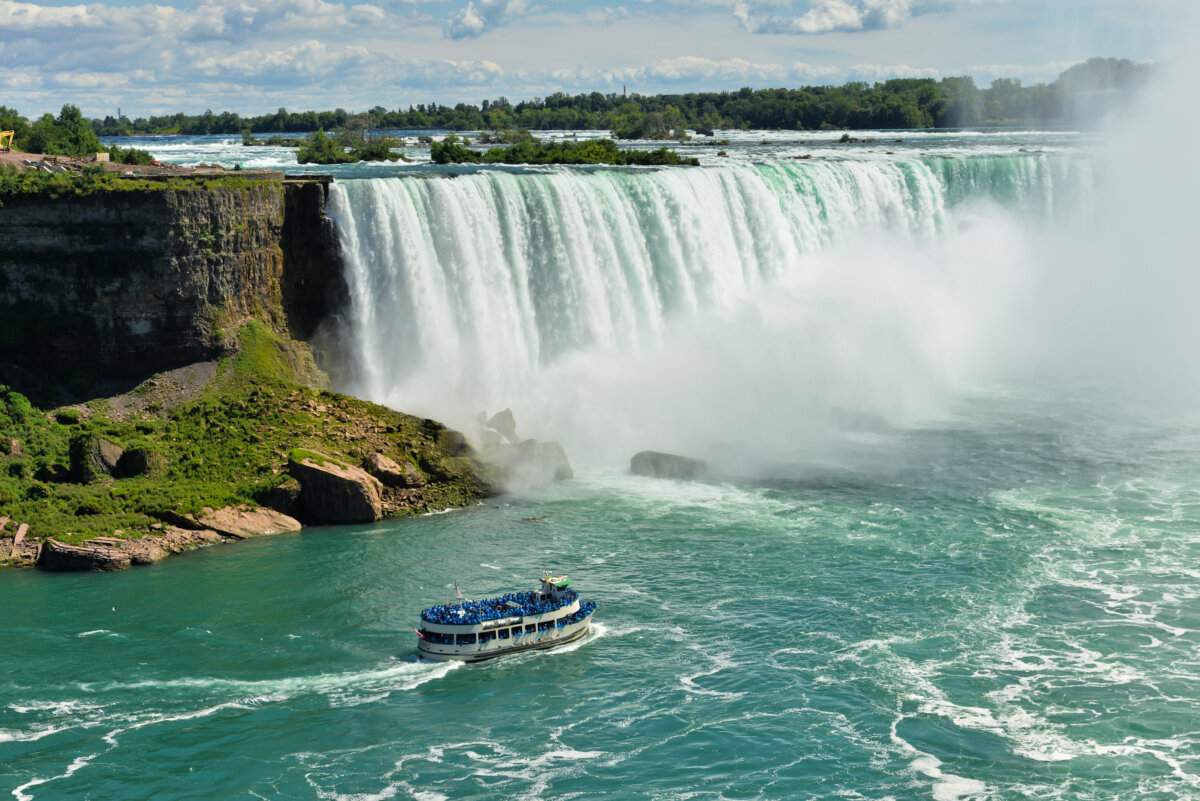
[(536, 772), (58, 710), (595, 631), (440, 512), (947, 786), (97, 631), (399, 676), (31, 735), (76, 765), (56, 707), (720, 662)]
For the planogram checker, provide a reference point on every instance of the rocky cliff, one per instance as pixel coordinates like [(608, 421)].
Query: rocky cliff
[(126, 283)]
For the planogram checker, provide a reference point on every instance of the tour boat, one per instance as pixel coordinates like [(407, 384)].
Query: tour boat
[(472, 631)]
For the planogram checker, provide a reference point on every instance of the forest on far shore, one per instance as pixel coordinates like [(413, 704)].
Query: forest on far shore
[(1080, 96)]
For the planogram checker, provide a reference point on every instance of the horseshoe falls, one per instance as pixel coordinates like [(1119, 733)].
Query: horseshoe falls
[(947, 550), (599, 300)]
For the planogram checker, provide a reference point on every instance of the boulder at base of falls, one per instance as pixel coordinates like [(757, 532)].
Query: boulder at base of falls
[(59, 556), (241, 523), (666, 465), (392, 473), (531, 462), (93, 458), (284, 499), (505, 424), (331, 492)]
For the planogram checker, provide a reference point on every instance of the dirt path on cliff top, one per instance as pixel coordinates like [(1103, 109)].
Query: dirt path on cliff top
[(18, 159)]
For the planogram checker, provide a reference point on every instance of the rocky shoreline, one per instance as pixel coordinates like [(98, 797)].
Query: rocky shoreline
[(158, 392)]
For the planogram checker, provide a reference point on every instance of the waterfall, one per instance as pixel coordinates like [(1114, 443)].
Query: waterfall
[(468, 292)]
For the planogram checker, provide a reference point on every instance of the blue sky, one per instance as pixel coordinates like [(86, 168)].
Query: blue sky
[(255, 57)]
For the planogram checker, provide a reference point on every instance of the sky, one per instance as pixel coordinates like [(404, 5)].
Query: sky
[(253, 58)]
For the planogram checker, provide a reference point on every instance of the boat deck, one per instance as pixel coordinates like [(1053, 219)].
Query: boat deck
[(513, 604)]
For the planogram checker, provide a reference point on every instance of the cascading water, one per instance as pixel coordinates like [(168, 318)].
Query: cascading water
[(491, 289)]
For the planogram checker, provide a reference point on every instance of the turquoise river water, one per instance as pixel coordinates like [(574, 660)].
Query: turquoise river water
[(930, 574)]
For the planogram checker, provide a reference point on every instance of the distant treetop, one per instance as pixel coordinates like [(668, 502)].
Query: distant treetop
[(1080, 95)]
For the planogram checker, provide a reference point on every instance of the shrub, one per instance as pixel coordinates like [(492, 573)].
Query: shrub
[(130, 155), (320, 149), (18, 406), (450, 151), (68, 135), (37, 491)]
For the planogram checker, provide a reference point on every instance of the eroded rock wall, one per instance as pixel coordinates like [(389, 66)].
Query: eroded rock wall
[(125, 284)]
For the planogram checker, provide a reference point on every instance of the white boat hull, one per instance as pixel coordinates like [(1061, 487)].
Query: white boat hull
[(475, 652)]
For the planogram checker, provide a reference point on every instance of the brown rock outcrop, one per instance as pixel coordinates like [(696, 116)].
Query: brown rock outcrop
[(59, 556), (392, 473), (240, 522), (154, 548), (94, 458), (335, 493), (285, 499)]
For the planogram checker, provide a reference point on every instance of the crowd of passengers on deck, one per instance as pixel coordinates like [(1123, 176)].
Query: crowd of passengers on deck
[(439, 638), (509, 605)]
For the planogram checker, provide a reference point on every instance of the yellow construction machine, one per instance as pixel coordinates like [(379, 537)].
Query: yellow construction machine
[(6, 138)]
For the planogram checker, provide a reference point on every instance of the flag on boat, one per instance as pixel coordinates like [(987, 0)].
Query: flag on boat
[(457, 591)]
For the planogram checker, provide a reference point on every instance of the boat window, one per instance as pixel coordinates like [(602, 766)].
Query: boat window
[(466, 639), (531, 628), (487, 636), (545, 625), (502, 634)]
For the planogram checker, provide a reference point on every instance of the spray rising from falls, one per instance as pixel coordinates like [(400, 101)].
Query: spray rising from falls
[(594, 293)]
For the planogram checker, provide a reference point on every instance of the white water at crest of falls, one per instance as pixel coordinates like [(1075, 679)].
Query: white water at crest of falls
[(582, 296)]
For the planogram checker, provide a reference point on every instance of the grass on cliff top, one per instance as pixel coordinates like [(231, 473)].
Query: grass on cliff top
[(92, 179), (228, 446)]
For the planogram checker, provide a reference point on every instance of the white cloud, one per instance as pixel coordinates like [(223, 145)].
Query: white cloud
[(691, 68), (309, 59), (472, 21), (225, 20), (253, 56), (827, 16)]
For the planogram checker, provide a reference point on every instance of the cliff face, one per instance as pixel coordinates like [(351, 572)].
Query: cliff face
[(124, 284), (314, 289)]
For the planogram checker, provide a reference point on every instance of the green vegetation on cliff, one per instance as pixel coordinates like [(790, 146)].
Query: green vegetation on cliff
[(533, 151), (94, 178), (227, 444)]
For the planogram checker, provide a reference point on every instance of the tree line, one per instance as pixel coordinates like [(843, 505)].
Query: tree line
[(1080, 95)]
